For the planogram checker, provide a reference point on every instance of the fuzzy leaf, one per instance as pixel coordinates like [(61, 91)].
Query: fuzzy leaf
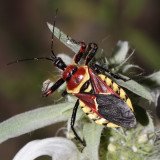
[(156, 93), (92, 134), (136, 88), (130, 66), (34, 119), (64, 38), (57, 148), (150, 126), (155, 77), (120, 52)]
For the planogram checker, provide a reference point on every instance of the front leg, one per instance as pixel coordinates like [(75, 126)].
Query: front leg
[(91, 50), (53, 88), (73, 121), (81, 51)]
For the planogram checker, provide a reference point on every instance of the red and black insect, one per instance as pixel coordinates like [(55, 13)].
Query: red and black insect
[(100, 98)]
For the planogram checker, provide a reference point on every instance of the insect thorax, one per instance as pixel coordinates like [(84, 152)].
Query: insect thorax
[(77, 80)]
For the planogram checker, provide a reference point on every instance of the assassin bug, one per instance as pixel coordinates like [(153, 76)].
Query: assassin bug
[(100, 98)]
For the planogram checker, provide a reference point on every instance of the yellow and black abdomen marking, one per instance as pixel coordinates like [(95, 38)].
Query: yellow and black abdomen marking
[(116, 88), (92, 115)]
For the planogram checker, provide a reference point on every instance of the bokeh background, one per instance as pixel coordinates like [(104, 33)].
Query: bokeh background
[(24, 34)]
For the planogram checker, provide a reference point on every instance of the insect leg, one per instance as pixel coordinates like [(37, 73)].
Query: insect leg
[(73, 121), (80, 53), (53, 88), (96, 66), (91, 50), (64, 93)]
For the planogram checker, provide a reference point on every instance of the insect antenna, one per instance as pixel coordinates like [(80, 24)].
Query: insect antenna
[(30, 59), (53, 58), (54, 23)]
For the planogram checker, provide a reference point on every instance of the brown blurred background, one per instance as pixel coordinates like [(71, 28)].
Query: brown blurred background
[(24, 34)]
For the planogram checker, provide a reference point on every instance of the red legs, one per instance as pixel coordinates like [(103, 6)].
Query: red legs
[(91, 50), (53, 88), (79, 55)]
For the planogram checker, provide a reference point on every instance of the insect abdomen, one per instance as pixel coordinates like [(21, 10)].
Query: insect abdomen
[(116, 88), (92, 115)]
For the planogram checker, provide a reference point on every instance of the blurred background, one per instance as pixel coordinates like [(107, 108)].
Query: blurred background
[(24, 34)]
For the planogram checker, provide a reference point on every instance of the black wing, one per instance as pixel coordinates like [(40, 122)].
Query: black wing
[(115, 110)]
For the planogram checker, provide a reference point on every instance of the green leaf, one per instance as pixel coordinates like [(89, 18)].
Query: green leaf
[(34, 119), (65, 39), (156, 93), (92, 134), (120, 52), (130, 66), (135, 87), (150, 127), (155, 77)]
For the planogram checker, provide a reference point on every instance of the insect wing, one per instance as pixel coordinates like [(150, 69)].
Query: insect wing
[(98, 85), (88, 99), (115, 110)]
